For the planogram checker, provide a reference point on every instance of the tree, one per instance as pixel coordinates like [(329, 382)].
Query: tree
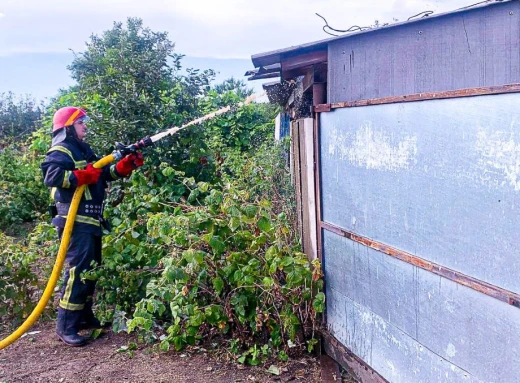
[(128, 79), (238, 87), (19, 117)]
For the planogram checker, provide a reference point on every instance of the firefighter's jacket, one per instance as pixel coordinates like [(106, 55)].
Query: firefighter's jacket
[(61, 160)]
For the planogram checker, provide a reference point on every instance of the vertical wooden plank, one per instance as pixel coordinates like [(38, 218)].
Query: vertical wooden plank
[(295, 144), (317, 193), (304, 189), (310, 203), (307, 193), (291, 153)]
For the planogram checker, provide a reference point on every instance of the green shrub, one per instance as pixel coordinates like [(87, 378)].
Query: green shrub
[(191, 260), (203, 243), (23, 197), (25, 266)]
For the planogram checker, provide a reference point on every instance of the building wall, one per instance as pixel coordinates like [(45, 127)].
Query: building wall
[(479, 47), (440, 180), (414, 327)]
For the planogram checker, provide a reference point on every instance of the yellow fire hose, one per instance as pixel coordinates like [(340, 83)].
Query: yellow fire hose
[(56, 271), (71, 216)]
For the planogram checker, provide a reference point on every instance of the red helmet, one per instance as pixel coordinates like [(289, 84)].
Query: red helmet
[(66, 117)]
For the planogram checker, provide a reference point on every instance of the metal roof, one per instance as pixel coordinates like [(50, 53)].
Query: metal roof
[(273, 57)]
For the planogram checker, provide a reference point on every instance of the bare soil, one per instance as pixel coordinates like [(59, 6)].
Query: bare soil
[(42, 357)]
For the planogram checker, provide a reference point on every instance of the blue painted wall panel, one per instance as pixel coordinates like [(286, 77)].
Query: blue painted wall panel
[(438, 179), (458, 334)]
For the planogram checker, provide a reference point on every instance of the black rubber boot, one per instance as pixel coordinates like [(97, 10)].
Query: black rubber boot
[(88, 320), (67, 327)]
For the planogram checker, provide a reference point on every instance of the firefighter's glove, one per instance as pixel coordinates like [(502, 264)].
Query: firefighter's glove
[(127, 165), (90, 175)]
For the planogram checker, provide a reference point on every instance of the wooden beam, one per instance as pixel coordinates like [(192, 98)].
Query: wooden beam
[(319, 92), (293, 73), (330, 372), (313, 75), (469, 92), (496, 292), (308, 79), (349, 360), (322, 108), (262, 76), (304, 60)]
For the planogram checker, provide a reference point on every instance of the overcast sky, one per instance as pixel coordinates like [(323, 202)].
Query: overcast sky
[(221, 29)]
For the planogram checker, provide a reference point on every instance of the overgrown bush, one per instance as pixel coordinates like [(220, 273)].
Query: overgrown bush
[(229, 270), (23, 197), (25, 265), (243, 131), (192, 260)]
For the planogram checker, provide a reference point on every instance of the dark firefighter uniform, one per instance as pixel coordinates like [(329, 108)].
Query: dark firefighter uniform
[(75, 305)]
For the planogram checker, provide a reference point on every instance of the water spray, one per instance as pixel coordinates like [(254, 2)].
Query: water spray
[(150, 140)]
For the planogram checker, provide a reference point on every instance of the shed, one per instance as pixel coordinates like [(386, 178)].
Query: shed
[(406, 150)]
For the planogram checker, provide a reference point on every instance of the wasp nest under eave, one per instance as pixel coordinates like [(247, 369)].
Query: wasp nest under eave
[(279, 93)]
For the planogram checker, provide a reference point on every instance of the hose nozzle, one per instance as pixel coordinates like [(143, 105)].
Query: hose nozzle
[(122, 150)]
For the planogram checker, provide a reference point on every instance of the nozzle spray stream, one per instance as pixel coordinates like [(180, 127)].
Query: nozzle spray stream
[(205, 118), (122, 150)]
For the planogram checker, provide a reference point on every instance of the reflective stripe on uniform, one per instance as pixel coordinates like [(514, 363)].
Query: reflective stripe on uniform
[(66, 179), (64, 302), (88, 195), (84, 219), (71, 306), (113, 172), (78, 164)]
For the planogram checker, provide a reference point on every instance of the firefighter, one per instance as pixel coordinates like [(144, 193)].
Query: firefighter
[(68, 165)]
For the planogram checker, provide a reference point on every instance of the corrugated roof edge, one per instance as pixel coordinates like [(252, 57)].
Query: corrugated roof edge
[(273, 57)]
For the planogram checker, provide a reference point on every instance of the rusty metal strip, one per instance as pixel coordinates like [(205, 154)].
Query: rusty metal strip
[(349, 360), (469, 92), (501, 294), (321, 108)]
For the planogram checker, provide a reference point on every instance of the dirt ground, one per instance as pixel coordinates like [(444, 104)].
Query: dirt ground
[(42, 357)]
